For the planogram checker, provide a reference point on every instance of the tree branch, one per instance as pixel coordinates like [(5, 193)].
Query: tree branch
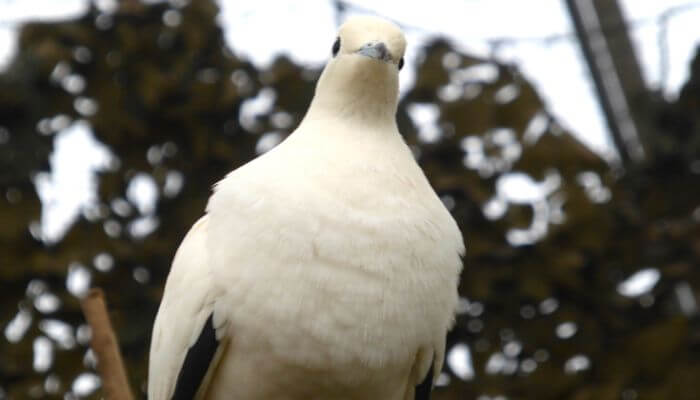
[(104, 343)]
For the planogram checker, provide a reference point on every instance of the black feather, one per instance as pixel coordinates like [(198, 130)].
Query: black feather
[(336, 47), (423, 390), (197, 362)]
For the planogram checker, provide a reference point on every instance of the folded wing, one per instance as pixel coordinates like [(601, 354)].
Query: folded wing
[(186, 337)]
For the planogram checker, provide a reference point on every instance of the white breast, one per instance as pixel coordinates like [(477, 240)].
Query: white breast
[(352, 260)]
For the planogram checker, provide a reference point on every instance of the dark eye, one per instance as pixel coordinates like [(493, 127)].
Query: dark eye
[(401, 63), (336, 47)]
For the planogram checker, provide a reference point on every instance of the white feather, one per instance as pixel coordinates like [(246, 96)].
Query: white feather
[(330, 263)]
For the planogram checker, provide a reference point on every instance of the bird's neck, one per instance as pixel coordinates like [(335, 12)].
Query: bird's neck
[(368, 98), (355, 104)]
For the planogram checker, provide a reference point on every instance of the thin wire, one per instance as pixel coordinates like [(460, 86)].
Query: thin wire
[(662, 43), (662, 39)]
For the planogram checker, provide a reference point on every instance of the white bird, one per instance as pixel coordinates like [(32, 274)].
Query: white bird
[(326, 268)]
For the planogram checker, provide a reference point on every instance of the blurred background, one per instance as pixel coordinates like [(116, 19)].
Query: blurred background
[(563, 135)]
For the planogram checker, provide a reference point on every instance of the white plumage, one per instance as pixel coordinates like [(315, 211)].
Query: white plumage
[(328, 265)]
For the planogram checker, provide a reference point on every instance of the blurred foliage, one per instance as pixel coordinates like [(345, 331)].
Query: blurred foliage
[(544, 311)]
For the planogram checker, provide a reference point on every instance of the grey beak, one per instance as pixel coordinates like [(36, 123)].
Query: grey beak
[(376, 50)]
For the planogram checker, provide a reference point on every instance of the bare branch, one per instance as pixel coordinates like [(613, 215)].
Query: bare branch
[(104, 344)]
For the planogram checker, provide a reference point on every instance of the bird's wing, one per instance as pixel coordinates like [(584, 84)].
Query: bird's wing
[(187, 336), (424, 388), (426, 369)]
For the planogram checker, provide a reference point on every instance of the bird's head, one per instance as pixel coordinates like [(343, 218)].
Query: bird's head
[(361, 78)]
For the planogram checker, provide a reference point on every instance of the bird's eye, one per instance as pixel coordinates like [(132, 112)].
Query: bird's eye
[(401, 63), (336, 47)]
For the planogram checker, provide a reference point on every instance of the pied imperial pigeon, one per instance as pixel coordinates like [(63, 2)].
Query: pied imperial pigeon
[(325, 269)]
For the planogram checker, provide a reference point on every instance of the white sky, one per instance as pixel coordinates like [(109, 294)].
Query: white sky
[(305, 30)]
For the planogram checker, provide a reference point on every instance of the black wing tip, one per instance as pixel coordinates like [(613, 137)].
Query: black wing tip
[(424, 388), (197, 362)]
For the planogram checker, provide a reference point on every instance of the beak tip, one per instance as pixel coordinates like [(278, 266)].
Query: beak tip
[(376, 50)]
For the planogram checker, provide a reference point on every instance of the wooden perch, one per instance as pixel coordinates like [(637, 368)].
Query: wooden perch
[(104, 343)]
